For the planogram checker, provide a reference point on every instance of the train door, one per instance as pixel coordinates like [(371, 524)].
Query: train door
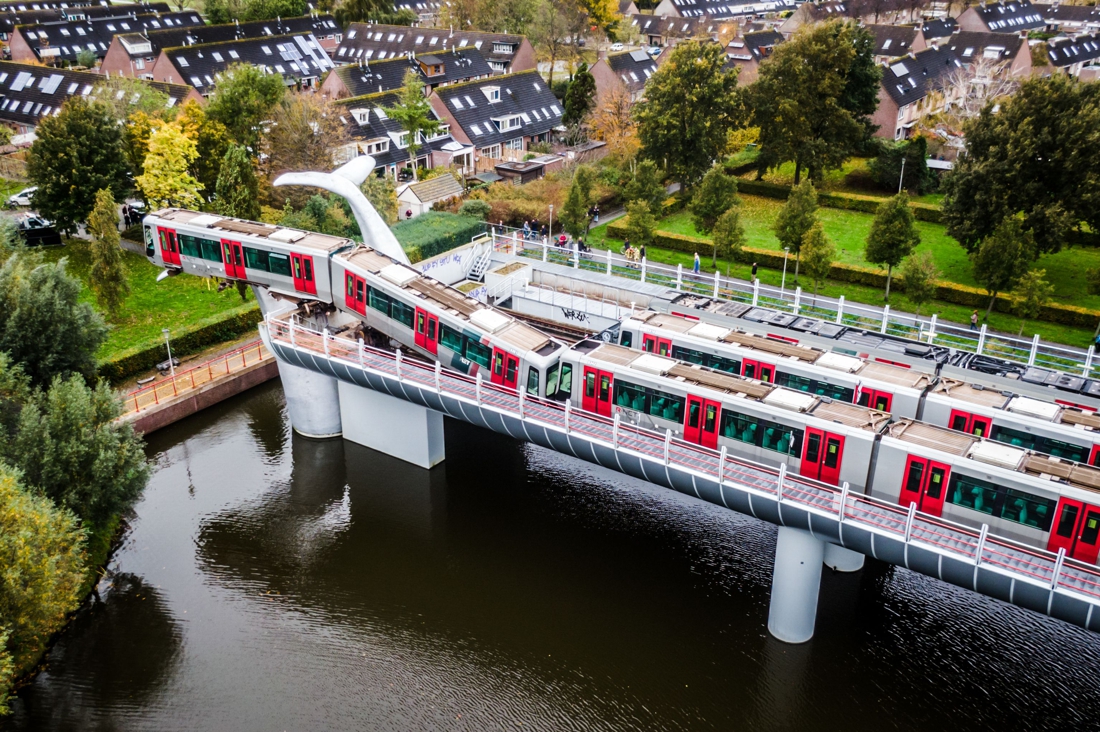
[(301, 266), (701, 421), (355, 293), (427, 326), (234, 259), (169, 246), (924, 483), (596, 396), (971, 424), (1077, 530), (1094, 456), (505, 369), (653, 344), (875, 399), (822, 455), (758, 370)]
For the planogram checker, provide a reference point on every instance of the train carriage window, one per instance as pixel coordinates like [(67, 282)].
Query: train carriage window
[(1066, 450), (626, 338), (533, 381), (359, 285), (721, 363), (590, 384), (278, 264), (630, 396), (257, 259), (450, 338), (1067, 521), (307, 263), (380, 301), (150, 242), (815, 386), (782, 439), (1010, 436), (351, 284), (478, 353), (913, 480), (559, 382), (739, 427), (974, 494), (1029, 510), (710, 418), (400, 312), (189, 246), (211, 250), (688, 354), (666, 406), (605, 388), (1091, 530)]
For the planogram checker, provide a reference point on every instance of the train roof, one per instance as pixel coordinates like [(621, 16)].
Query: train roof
[(280, 234), (1017, 404), (851, 415)]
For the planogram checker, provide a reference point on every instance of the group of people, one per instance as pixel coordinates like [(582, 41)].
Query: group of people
[(632, 253), (532, 230), (130, 216)]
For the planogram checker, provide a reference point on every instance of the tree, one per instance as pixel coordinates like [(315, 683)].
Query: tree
[(550, 30), (306, 131), (237, 192), (647, 185), (691, 104), (493, 16), (268, 9), (125, 96), (243, 98), (212, 141), (414, 114), (1031, 157), (475, 208), (918, 278), (893, 236), (579, 97), (1032, 294), (574, 214), (973, 86), (136, 131), (376, 11), (86, 58), (380, 192), (217, 12), (639, 223), (108, 278), (42, 552), (613, 123), (910, 156), (1002, 258), (714, 196), (76, 153), (167, 180), (818, 255), (43, 325), (729, 236), (797, 217), (813, 97)]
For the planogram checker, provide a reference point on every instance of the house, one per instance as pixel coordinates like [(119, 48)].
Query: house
[(911, 89), (1079, 56), (749, 50), (416, 198), (1001, 48), (1002, 17), (426, 11), (719, 9), (627, 8), (892, 41), (13, 14), (29, 92), (668, 31), (133, 54), (938, 28), (373, 133), (809, 13), (502, 116), (1070, 19), (506, 53), (628, 71), (297, 57), (435, 69), (63, 39)]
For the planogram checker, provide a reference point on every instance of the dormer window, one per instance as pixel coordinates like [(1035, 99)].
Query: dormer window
[(510, 122), (492, 93), (362, 116), (503, 48)]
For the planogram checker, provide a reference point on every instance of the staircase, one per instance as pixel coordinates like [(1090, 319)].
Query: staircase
[(481, 265)]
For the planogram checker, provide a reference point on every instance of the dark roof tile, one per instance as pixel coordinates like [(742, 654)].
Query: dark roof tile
[(523, 98)]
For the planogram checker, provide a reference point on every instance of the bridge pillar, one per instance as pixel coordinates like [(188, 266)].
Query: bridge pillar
[(394, 426), (312, 401), (796, 580), (839, 559)]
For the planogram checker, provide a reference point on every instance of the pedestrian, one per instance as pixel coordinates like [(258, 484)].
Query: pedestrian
[(596, 210), (125, 216), (526, 229), (754, 271), (408, 213), (974, 320), (695, 266), (500, 227), (626, 246), (641, 252), (543, 232)]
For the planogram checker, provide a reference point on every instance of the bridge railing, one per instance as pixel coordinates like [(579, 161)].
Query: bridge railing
[(1055, 571)]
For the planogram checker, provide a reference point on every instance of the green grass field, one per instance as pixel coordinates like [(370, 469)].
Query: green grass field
[(852, 177)]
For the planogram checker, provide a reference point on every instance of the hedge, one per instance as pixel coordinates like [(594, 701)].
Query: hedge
[(972, 297), (845, 201), (435, 232), (211, 331)]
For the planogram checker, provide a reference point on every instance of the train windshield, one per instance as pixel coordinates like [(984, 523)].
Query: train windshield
[(559, 381), (150, 242)]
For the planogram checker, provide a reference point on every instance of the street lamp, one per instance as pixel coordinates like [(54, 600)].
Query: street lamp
[(550, 228), (783, 282), (168, 343)]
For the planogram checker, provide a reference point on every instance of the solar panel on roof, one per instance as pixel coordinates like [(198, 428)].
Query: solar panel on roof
[(20, 81)]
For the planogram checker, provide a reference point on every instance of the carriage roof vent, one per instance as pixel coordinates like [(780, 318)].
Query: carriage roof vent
[(206, 220), (839, 362), (796, 401), (399, 274), (651, 364), (287, 235), (489, 320), (1033, 408), (708, 331), (996, 453)]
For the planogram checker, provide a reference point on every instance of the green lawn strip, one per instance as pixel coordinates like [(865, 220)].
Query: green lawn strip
[(854, 177), (1002, 322), (174, 303)]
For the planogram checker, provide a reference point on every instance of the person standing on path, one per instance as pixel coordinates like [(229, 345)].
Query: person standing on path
[(695, 266), (974, 320)]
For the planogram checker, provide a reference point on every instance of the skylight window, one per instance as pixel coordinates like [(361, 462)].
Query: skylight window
[(476, 129), (457, 103), (234, 54), (182, 61), (218, 57), (469, 101), (196, 82), (266, 50), (886, 45), (899, 69)]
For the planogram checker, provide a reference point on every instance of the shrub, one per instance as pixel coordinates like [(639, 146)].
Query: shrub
[(435, 232)]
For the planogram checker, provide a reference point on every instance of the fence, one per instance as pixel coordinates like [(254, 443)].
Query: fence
[(193, 378)]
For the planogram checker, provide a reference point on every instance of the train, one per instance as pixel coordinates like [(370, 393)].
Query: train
[(904, 390)]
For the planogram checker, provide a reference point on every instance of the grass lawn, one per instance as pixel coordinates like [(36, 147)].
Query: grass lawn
[(1081, 337), (174, 303), (852, 177)]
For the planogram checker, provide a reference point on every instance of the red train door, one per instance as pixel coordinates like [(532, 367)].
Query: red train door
[(924, 483), (234, 259), (758, 370), (301, 266), (972, 424), (505, 370), (596, 396), (701, 421), (169, 246), (653, 344), (875, 399), (822, 455), (1077, 530), (356, 295), (426, 337), (1094, 456)]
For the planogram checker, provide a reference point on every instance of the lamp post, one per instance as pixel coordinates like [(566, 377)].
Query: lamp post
[(550, 228), (783, 282), (901, 178), (168, 344)]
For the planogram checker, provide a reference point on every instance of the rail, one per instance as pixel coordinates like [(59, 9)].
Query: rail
[(978, 547), (1029, 352), (195, 377)]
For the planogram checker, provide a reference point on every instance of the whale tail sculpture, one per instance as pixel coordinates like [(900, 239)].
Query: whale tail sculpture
[(345, 181)]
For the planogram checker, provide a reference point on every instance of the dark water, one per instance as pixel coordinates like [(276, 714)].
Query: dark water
[(270, 582)]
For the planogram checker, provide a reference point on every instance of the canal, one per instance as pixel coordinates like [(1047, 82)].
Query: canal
[(269, 582)]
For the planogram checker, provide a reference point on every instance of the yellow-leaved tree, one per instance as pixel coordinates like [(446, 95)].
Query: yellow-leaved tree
[(166, 180)]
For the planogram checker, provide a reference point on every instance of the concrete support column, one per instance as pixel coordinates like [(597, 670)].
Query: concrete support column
[(839, 559), (312, 401), (394, 426), (796, 580)]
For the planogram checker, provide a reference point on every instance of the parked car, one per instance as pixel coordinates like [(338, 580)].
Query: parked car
[(38, 232), (616, 47), (654, 51), (23, 198)]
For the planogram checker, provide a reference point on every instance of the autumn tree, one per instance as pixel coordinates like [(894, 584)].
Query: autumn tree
[(818, 255), (212, 141), (237, 192), (893, 236), (639, 223), (550, 30), (1003, 258), (716, 194), (647, 185), (108, 276), (579, 97), (796, 217), (729, 236), (1032, 294), (690, 106), (135, 141), (244, 97), (612, 122), (918, 278), (414, 114), (167, 180), (303, 136), (380, 191)]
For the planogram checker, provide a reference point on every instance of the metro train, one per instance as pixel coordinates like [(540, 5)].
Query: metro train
[(394, 299), (1043, 425)]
